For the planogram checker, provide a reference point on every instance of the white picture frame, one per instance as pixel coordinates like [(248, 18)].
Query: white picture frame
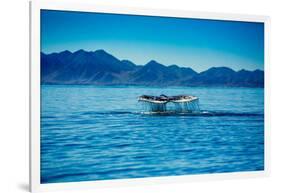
[(36, 6)]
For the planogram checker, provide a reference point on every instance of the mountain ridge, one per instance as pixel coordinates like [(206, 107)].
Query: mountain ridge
[(101, 68)]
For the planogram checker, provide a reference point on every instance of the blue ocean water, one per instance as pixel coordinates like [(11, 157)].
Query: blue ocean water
[(99, 133)]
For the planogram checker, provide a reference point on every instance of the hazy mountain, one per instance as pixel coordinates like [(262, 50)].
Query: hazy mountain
[(101, 68)]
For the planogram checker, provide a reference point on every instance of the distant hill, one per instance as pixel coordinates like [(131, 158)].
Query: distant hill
[(101, 68)]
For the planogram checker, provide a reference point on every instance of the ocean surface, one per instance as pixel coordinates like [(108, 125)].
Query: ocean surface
[(101, 132)]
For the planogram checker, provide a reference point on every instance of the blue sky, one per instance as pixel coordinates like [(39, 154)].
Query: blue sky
[(196, 43)]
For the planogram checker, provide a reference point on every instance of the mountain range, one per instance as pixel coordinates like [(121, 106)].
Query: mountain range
[(101, 68)]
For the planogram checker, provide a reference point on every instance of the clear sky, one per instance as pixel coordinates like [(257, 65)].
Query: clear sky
[(196, 43)]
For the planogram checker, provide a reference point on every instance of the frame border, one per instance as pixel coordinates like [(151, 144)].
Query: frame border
[(34, 95)]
